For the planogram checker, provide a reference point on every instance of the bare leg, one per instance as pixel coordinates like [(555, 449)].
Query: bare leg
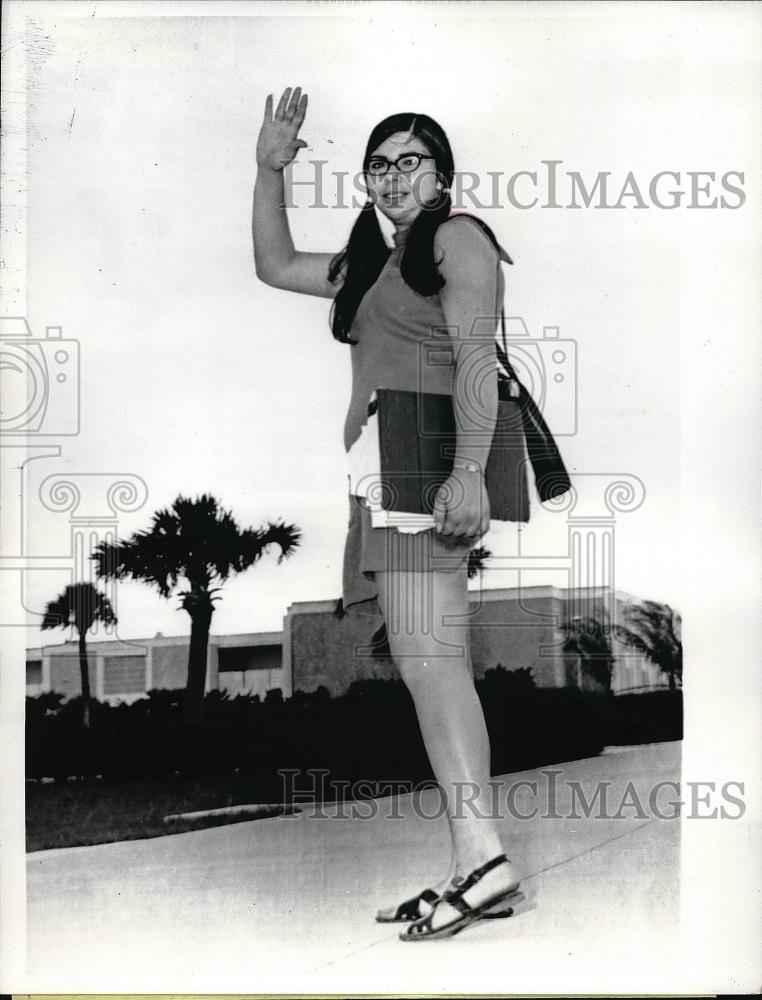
[(433, 659), (445, 881)]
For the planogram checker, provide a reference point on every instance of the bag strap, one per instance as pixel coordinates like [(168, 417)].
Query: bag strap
[(551, 477), (502, 353)]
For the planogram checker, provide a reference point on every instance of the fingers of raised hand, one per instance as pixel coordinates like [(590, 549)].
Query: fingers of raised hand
[(292, 105), (301, 111), (269, 109), (280, 111)]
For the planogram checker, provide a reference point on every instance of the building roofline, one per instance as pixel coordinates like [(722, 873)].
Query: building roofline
[(485, 594), (215, 639)]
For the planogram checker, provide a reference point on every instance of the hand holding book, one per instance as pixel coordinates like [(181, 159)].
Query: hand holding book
[(461, 505)]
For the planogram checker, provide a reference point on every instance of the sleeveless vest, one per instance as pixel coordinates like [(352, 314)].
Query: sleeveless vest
[(403, 342)]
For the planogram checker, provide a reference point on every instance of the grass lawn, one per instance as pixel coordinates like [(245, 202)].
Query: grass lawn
[(88, 811)]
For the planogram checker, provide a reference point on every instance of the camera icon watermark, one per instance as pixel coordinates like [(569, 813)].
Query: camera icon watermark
[(41, 381), (547, 366)]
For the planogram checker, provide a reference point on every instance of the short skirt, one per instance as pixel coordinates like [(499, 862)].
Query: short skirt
[(368, 550)]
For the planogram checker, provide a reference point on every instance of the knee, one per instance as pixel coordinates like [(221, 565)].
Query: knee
[(424, 674), (414, 670)]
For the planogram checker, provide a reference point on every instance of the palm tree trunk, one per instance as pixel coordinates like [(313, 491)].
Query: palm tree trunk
[(85, 675), (201, 620)]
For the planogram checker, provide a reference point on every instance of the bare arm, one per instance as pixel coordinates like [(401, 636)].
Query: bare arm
[(276, 260), (469, 267)]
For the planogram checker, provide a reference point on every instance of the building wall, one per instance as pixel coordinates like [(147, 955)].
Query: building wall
[(250, 682), (633, 672), (247, 658), (250, 669), (315, 648), (518, 633), (65, 676), (34, 676), (126, 670), (169, 665), (124, 675), (331, 652)]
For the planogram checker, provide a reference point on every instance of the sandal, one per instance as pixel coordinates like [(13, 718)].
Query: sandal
[(509, 899), (495, 911), (410, 909)]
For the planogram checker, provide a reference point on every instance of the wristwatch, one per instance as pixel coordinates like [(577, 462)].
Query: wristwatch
[(466, 466)]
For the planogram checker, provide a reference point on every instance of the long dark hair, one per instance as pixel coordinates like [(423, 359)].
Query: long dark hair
[(365, 254)]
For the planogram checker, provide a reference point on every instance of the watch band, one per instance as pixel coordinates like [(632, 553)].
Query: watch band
[(466, 466)]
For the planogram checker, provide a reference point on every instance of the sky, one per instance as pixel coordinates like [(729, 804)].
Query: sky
[(195, 377)]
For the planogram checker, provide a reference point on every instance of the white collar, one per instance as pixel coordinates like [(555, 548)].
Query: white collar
[(386, 226)]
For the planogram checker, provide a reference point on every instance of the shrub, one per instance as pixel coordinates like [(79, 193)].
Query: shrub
[(370, 732)]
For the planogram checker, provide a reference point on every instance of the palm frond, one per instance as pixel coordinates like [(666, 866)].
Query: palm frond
[(80, 605), (56, 613), (195, 539), (655, 631), (477, 557)]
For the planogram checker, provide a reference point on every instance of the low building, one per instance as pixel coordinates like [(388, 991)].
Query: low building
[(514, 627), (124, 670), (517, 628)]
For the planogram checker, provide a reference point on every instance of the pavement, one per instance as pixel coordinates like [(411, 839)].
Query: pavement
[(286, 904)]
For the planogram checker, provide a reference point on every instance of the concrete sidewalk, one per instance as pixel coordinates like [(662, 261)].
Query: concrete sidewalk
[(286, 904)]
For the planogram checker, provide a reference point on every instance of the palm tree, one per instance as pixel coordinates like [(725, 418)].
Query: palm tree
[(655, 630), (589, 638), (200, 542), (80, 605), (476, 559)]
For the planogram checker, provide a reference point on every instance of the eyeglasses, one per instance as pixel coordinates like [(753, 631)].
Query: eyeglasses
[(406, 164)]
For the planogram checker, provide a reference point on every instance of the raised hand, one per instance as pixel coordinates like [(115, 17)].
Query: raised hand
[(278, 144)]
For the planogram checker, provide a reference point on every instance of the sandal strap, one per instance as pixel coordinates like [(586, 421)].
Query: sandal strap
[(478, 873), (455, 899), (422, 926), (425, 927), (409, 910)]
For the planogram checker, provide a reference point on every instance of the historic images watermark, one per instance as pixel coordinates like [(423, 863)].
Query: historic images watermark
[(548, 187), (42, 407), (44, 372), (547, 797)]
